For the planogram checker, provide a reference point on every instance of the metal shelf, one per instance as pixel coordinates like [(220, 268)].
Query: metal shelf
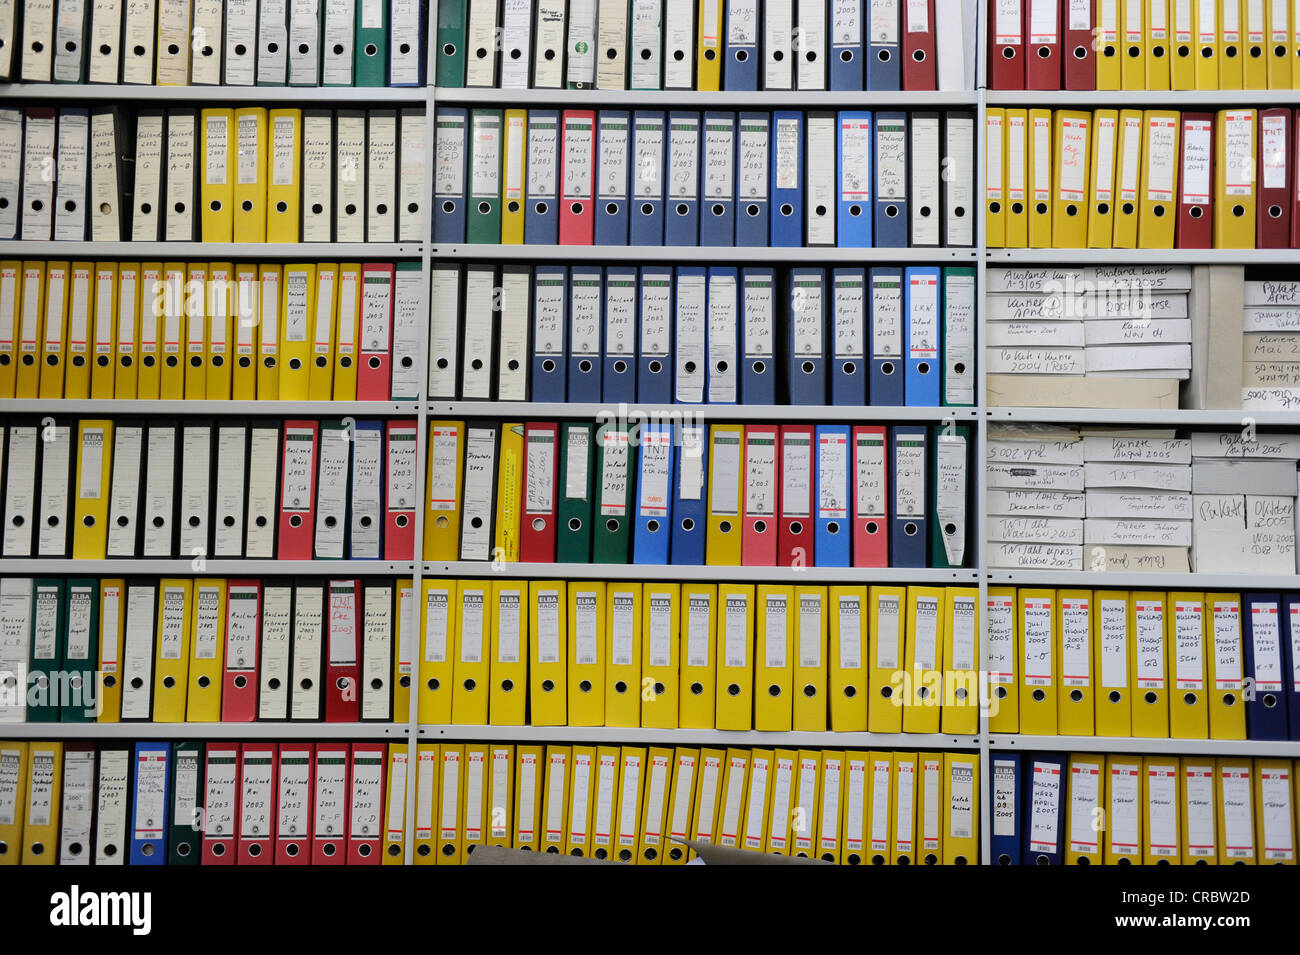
[(1185, 417), (1140, 581), (171, 251), (1183, 99), (124, 567), (1086, 257), (809, 255), (1113, 744), (671, 412), (203, 731), (697, 737), (714, 572), (261, 95), (718, 99), (282, 409)]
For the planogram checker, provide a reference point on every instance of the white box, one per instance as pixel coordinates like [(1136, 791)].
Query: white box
[(1234, 444), (1037, 279), (1283, 294), (1018, 334), (1035, 452), (1268, 319), (1243, 477), (1158, 278), (1128, 358), (1141, 532), (1034, 361), (1042, 530), (1035, 477), (1035, 503), (1137, 332), (1271, 346), (1119, 503), (1142, 560), (1036, 556), (1158, 476), (1097, 447)]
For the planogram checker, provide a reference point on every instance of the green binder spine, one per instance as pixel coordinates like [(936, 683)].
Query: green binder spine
[(81, 652), (370, 50), (951, 497), (45, 681), (183, 843), (612, 535), (573, 537), (450, 71)]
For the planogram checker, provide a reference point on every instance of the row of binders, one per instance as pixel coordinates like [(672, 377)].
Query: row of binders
[(292, 490), (218, 803), (707, 46), (660, 492), (1142, 663), (202, 651), (211, 43), (692, 334), (646, 177), (1155, 45), (1152, 810), (111, 174), (171, 330), (1141, 179), (492, 652)]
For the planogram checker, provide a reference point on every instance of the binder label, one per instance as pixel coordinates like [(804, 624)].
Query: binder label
[(171, 637), (691, 476), (909, 476), (1037, 637), (1001, 639), (623, 624), (850, 633), (539, 468), (736, 631), (683, 158), (435, 626), (756, 815), (613, 158), (660, 634), (656, 448), (963, 633), (1076, 660), (718, 159), (449, 156), (343, 624), (1275, 810), (1125, 788), (1189, 661), (760, 476), (775, 631), (886, 317), (586, 629), (1080, 15), (752, 153), (1150, 636), (1162, 810), (614, 474), (367, 782), (883, 28), (542, 160), (889, 619), (1044, 807), (150, 793), (450, 794), (724, 489), (548, 626), (45, 632), (577, 158), (331, 780), (1238, 834), (1227, 644), (1085, 779), (1267, 647), (1238, 151), (679, 823), (471, 626), (255, 800), (830, 814), (584, 313), (807, 314), (214, 145), (787, 153), (832, 476), (1004, 798), (647, 178), (891, 159), (627, 818), (1199, 787), (80, 608)]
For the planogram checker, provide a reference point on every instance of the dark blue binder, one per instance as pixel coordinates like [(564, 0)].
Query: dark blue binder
[(1266, 698), (585, 302), (613, 140), (718, 176), (847, 66), (1005, 846), (653, 508), (887, 335), (1045, 788), (806, 341), (690, 493), (542, 197), (618, 380), (787, 178), (909, 458), (648, 150), (758, 336), (890, 222), (550, 332), (848, 337), (740, 65), (654, 373), (1290, 659), (884, 63), (753, 154), (685, 176), (451, 183)]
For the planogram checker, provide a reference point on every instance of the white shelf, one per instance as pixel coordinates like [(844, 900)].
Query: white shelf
[(704, 254), (1086, 257), (697, 737), (1131, 99), (173, 251), (702, 99), (261, 95), (713, 572), (1112, 744), (204, 731), (1137, 580), (510, 410), (276, 409), (1183, 417), (42, 567)]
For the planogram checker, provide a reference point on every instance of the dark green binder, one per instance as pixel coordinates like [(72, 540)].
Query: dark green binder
[(486, 145), (184, 840), (81, 652), (950, 504), (45, 665), (612, 535), (573, 538), (370, 53), (450, 71)]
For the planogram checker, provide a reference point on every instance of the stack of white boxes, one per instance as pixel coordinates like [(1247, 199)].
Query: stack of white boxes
[(1244, 489), (1270, 372), (1048, 328), (1138, 502), (1035, 497)]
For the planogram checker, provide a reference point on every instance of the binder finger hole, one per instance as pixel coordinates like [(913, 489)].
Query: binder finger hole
[(1135, 51), (1080, 52), (833, 527), (760, 526), (796, 527), (620, 366), (1039, 695), (1076, 696), (787, 209), (773, 690), (1238, 211), (1230, 52), (919, 55), (742, 56), (575, 208), (1008, 53), (682, 208), (1270, 701), (724, 527), (1041, 208), (1017, 208), (751, 210), (717, 208), (240, 682), (733, 689), (891, 211), (401, 520), (855, 210), (688, 524), (548, 686), (1071, 210), (995, 207), (1149, 697), (1275, 212), (1229, 699)]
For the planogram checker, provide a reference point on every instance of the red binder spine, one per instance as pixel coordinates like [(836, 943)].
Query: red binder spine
[(1043, 45), (794, 545), (1194, 228), (293, 797), (257, 803), (375, 372), (366, 803), (298, 490), (220, 803), (1079, 59), (330, 797), (1006, 66), (919, 68), (762, 495), (243, 631), (1273, 214), (399, 490), (343, 652), (537, 529), (870, 497), (578, 177)]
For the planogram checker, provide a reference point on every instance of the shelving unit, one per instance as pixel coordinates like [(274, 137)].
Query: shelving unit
[(426, 410)]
